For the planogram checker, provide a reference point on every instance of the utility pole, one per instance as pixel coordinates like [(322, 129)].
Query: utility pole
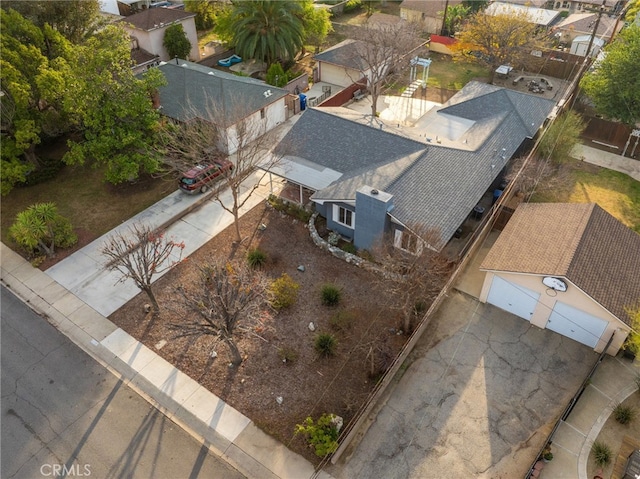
[(444, 19), (595, 28)]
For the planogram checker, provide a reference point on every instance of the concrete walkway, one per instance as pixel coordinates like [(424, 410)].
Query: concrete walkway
[(78, 293), (613, 382), (608, 160)]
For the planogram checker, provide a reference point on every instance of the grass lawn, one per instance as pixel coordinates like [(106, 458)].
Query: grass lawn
[(83, 196), (617, 193), (450, 75)]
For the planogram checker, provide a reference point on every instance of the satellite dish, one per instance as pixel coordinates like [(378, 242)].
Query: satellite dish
[(554, 283)]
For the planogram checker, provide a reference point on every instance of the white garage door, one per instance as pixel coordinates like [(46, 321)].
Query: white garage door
[(512, 297), (576, 324)]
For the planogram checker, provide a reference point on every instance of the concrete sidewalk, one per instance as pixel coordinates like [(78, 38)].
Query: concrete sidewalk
[(608, 160), (78, 293)]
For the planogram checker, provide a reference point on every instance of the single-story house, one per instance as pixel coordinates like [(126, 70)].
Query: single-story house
[(571, 268), (149, 26), (581, 24), (540, 16), (194, 91), (369, 179), (571, 5), (342, 64), (428, 14)]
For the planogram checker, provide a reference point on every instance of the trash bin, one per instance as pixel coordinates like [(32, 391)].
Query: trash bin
[(477, 212), (496, 196)]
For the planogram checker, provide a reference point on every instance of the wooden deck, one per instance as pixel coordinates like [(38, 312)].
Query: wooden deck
[(629, 444)]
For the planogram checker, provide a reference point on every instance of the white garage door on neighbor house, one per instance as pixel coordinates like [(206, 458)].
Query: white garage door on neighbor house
[(513, 297), (576, 324)]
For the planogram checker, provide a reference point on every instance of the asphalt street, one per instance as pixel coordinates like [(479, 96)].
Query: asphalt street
[(64, 415)]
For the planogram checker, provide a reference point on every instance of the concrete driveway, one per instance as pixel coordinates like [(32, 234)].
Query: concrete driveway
[(481, 392)]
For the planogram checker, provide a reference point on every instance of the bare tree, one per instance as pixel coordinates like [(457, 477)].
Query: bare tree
[(141, 254), (211, 136), (229, 297), (414, 273), (535, 175), (382, 52)]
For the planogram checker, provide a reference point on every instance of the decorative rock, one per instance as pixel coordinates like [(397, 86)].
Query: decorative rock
[(301, 268), (312, 327), (160, 344), (147, 307), (337, 421), (214, 354), (279, 399), (262, 227)]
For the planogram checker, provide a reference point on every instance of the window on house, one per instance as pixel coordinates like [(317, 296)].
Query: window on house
[(262, 114), (558, 4), (565, 4), (343, 216), (407, 241)]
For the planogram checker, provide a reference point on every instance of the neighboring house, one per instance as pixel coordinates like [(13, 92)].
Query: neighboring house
[(573, 6), (571, 268), (540, 16), (196, 92), (581, 24), (368, 181), (428, 14), (342, 64), (149, 26), (345, 63), (142, 59)]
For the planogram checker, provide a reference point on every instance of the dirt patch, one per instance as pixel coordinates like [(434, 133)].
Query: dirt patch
[(309, 385)]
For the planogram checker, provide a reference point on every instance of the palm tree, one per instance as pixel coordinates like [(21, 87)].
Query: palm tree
[(267, 30)]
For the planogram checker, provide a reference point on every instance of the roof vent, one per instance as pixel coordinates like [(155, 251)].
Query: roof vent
[(211, 73), (267, 93), (374, 192)]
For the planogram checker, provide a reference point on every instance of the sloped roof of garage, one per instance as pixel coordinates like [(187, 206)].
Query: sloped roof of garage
[(578, 241)]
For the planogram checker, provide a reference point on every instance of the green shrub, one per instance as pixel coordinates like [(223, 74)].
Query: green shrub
[(349, 248), (342, 320), (288, 355), (326, 344), (624, 414), (40, 229), (352, 5), (330, 294), (323, 435), (48, 169), (284, 292), (601, 453), (256, 258)]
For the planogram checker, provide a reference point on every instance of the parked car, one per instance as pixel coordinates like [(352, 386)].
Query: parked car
[(199, 178)]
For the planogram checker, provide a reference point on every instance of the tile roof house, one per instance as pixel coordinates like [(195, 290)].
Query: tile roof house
[(149, 26), (195, 91), (428, 14), (572, 268), (434, 177)]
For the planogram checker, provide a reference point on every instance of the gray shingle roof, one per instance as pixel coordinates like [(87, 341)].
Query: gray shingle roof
[(193, 90), (580, 242), (347, 53), (438, 186), (344, 145)]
